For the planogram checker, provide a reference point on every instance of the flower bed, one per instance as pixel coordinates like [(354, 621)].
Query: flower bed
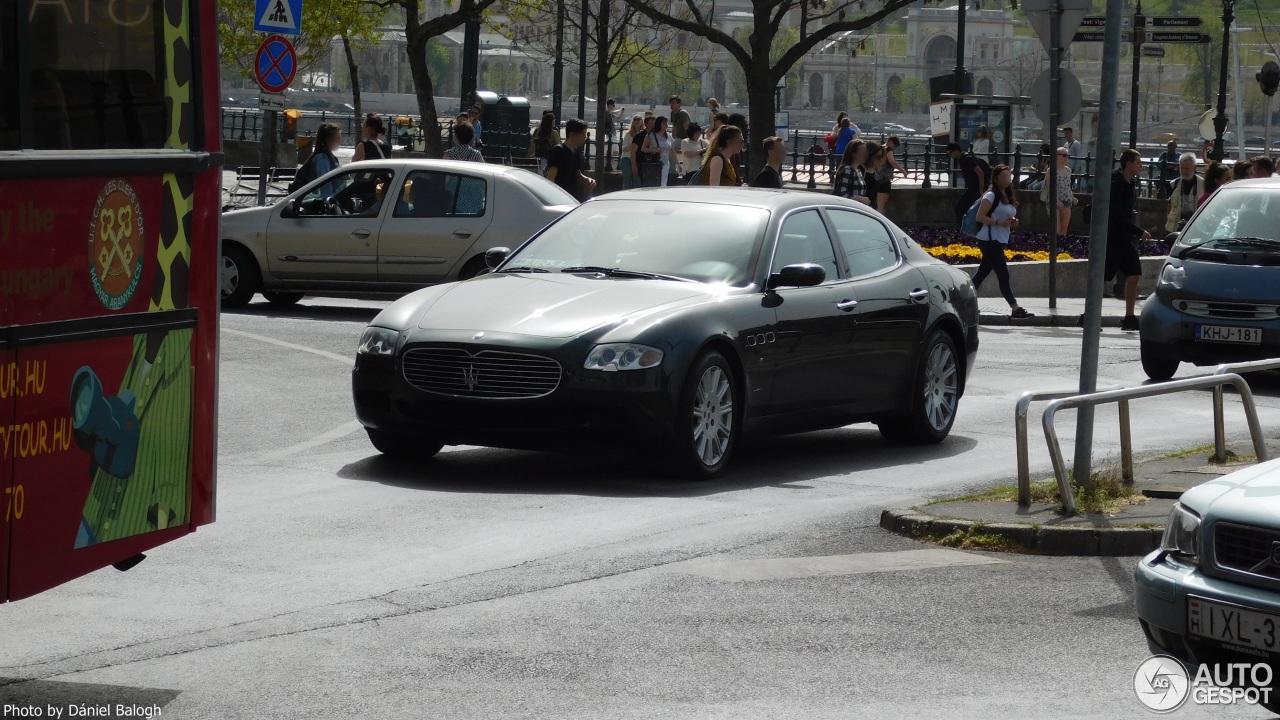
[(954, 247)]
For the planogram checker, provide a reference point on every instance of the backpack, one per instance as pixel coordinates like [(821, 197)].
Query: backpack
[(970, 225), (541, 147), (306, 173)]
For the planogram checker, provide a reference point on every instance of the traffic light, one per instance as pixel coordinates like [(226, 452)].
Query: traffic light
[(1269, 78)]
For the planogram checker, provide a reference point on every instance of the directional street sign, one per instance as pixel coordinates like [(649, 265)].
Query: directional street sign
[(1154, 51), (1096, 36), (276, 64), (283, 17), (1176, 22), (1097, 21), (1178, 37)]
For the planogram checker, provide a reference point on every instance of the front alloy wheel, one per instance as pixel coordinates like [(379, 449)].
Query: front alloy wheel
[(935, 399), (239, 277), (708, 427)]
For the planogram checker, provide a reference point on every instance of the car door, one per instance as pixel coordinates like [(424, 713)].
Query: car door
[(815, 325), (330, 232), (893, 307), (439, 215)]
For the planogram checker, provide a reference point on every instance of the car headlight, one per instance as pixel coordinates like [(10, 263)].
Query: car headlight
[(1173, 275), (1182, 533), (378, 341), (622, 356)]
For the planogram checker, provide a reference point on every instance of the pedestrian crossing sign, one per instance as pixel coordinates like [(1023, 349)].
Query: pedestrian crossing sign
[(281, 17)]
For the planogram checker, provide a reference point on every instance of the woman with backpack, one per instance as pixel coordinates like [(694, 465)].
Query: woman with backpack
[(373, 147), (851, 177), (544, 138), (997, 216), (322, 160)]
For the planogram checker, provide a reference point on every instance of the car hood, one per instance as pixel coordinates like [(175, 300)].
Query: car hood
[(251, 219), (1250, 496), (551, 305)]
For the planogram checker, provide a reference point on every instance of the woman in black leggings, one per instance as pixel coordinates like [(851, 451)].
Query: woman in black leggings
[(998, 213)]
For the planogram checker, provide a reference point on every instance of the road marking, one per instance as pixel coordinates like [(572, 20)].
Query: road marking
[(830, 565), (335, 434), (301, 348)]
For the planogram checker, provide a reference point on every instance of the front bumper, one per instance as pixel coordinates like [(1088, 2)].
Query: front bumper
[(588, 410), (1161, 587), (1171, 333)]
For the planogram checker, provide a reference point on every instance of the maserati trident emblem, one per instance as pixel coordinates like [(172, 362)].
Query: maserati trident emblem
[(478, 335), (471, 377)]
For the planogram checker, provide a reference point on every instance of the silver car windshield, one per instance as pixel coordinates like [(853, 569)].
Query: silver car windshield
[(698, 241), (1235, 214)]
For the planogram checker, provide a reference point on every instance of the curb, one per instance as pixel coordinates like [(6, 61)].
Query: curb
[(1067, 321), (1108, 542)]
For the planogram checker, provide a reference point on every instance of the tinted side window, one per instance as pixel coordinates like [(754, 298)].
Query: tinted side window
[(435, 194), (804, 239), (867, 247)]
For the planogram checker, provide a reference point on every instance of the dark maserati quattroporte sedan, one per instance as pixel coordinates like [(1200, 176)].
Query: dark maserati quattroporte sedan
[(685, 319)]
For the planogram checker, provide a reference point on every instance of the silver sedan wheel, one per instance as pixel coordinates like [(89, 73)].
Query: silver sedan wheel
[(940, 386), (712, 416), (230, 276)]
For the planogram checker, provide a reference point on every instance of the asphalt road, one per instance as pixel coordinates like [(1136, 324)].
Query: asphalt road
[(496, 584)]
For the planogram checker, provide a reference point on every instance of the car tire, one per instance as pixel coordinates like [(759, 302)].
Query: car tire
[(1157, 367), (403, 447), (283, 299), (707, 423), (935, 396), (239, 276)]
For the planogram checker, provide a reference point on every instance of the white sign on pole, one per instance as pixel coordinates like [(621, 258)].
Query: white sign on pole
[(940, 117), (781, 124), (271, 101)]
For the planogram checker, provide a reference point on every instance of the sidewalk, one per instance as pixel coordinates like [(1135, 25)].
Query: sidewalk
[(1133, 528), (994, 311)]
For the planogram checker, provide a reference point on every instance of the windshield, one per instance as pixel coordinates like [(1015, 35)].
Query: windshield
[(1233, 215), (547, 192), (698, 241)]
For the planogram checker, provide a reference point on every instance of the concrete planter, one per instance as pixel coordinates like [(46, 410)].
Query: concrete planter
[(1031, 279)]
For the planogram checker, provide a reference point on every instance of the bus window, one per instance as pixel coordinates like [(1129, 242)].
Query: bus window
[(97, 73)]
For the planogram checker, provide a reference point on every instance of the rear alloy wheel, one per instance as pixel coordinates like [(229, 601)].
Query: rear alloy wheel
[(1157, 366), (403, 447), (707, 427), (283, 299), (935, 399), (239, 277)]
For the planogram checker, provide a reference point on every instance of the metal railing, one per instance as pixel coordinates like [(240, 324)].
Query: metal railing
[(1020, 432), (1134, 393), (1219, 413)]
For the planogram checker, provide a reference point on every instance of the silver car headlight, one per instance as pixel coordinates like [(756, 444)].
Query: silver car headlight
[(622, 356), (1174, 276), (378, 341), (1182, 534)]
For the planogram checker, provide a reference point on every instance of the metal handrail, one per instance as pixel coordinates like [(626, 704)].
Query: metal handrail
[(1020, 433), (1143, 391), (1219, 420)]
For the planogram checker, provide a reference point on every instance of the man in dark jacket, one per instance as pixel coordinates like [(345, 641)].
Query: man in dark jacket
[(1122, 234), (976, 175), (771, 176)]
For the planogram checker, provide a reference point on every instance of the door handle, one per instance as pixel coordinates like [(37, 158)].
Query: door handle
[(847, 305), (360, 234), (462, 234), (918, 294)]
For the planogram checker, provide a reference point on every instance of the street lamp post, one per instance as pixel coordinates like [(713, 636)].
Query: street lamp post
[(1220, 120), (959, 77), (1159, 87), (557, 67)]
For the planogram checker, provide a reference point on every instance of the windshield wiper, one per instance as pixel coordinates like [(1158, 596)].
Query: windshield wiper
[(523, 269), (1242, 241), (619, 272)]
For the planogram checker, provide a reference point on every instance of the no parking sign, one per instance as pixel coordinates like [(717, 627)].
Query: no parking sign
[(276, 64)]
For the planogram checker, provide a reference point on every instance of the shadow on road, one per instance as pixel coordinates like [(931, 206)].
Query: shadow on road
[(768, 462)]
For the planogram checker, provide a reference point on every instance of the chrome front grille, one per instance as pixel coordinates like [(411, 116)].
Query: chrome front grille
[(488, 374), (1227, 310), (1246, 549)]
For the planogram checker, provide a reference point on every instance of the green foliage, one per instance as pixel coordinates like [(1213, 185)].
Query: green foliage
[(910, 94), (322, 20), (503, 77)]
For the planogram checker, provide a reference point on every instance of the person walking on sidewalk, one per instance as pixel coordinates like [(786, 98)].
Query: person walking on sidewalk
[(1183, 193), (775, 150), (977, 176), (1122, 234), (564, 167), (1065, 198), (999, 213)]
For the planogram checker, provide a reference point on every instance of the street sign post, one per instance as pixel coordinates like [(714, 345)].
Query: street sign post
[(1098, 21), (1154, 51), (1097, 35), (1193, 38), (276, 64), (271, 101), (1176, 22), (282, 17)]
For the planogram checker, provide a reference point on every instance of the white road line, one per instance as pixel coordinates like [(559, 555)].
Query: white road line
[(748, 570), (348, 360), (337, 433)]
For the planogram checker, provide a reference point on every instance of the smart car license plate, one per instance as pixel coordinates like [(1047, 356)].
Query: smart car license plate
[(1226, 334), (1227, 623)]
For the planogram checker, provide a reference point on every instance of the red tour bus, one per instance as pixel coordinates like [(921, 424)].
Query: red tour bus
[(109, 198)]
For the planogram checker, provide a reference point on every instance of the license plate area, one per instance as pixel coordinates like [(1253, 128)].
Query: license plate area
[(1229, 334), (1233, 624)]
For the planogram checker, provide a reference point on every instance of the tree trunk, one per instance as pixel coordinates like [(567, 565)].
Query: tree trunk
[(760, 96), (416, 45), (354, 70), (602, 80)]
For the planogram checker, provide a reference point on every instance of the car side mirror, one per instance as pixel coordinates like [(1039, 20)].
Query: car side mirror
[(800, 275), (493, 257)]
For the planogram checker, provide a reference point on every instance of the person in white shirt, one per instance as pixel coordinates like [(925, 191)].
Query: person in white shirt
[(692, 149)]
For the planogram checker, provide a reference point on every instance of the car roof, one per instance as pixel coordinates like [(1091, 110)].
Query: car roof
[(1272, 182), (427, 164), (765, 198)]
